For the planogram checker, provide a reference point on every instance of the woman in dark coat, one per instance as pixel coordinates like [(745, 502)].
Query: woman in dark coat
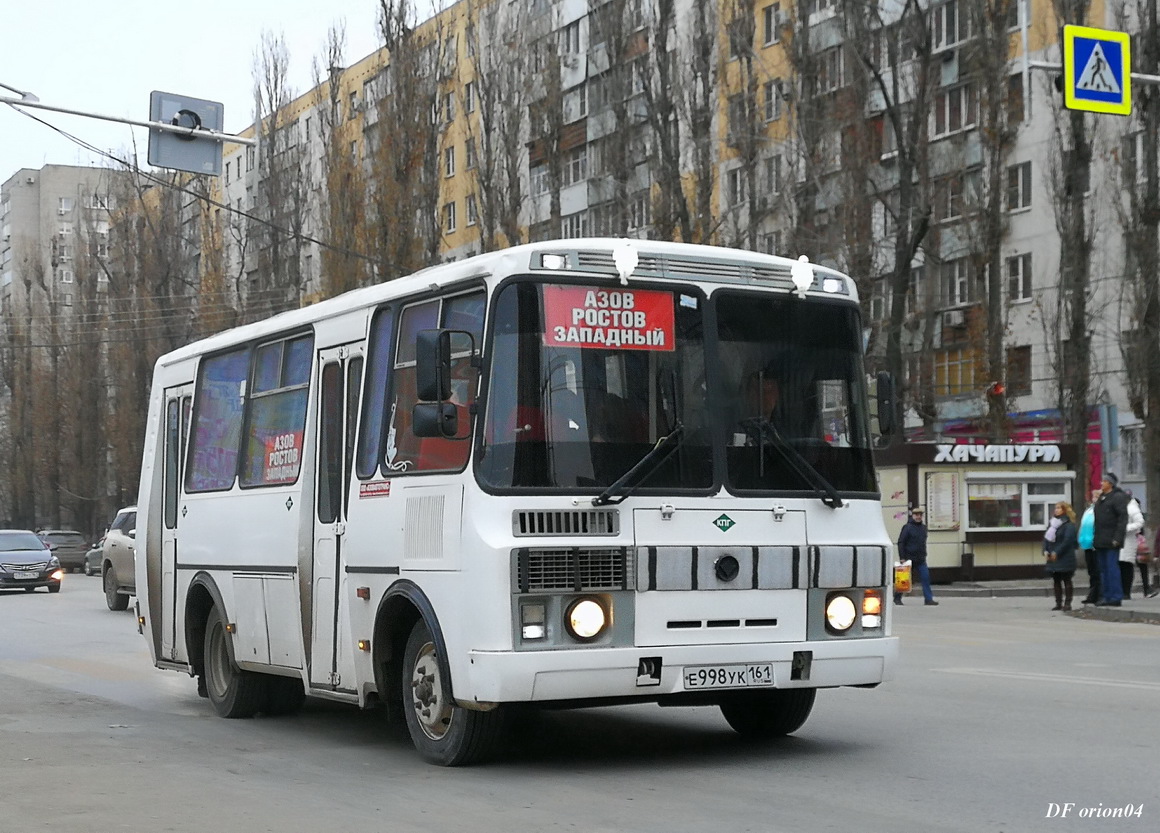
[(1061, 555)]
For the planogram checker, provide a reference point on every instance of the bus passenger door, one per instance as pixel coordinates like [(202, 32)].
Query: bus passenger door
[(331, 652), (177, 409)]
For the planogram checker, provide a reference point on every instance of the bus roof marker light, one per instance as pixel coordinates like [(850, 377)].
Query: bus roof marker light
[(551, 261), (625, 257), (832, 285), (802, 274)]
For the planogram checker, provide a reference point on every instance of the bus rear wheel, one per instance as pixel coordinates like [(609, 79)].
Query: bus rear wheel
[(442, 732), (769, 714), (233, 692)]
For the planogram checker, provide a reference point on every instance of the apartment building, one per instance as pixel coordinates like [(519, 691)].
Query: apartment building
[(768, 125)]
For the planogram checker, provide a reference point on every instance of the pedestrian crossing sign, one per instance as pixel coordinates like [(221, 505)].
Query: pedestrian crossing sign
[(1097, 70)]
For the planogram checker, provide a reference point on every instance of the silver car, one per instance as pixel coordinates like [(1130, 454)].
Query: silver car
[(118, 561), (27, 563)]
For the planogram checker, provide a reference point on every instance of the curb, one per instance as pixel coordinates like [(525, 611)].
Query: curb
[(1116, 614)]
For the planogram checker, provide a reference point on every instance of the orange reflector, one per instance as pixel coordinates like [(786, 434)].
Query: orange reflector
[(363, 592), (141, 621), (364, 644), (872, 603), (230, 627)]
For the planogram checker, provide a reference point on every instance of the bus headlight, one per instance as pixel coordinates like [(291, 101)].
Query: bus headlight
[(585, 619), (840, 613)]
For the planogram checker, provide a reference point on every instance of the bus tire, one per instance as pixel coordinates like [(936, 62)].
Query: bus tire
[(769, 714), (115, 600), (233, 692), (442, 732), (284, 696)]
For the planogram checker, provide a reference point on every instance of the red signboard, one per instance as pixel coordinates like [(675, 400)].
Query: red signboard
[(610, 319), (283, 457)]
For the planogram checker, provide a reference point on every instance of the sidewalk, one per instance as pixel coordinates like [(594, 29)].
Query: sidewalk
[(1137, 609)]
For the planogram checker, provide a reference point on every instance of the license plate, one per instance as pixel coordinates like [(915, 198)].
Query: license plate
[(26, 574), (728, 676)]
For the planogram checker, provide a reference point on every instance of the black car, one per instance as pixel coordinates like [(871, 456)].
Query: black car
[(68, 545), (27, 563)]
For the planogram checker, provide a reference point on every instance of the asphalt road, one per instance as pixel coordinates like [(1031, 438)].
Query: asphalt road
[(1000, 710)]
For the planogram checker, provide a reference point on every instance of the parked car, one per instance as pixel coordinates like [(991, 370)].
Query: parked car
[(118, 562), (68, 545), (94, 557), (27, 563)]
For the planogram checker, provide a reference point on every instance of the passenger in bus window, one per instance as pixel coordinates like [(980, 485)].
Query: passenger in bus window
[(762, 393)]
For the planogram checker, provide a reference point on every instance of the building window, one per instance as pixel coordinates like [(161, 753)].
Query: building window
[(949, 26), (449, 161), (1014, 504), (449, 221), (1015, 112), (740, 37), (772, 100), (736, 187), (1019, 186), (773, 174), (66, 276), (771, 23), (956, 282), (449, 107), (954, 371), (574, 225), (352, 107), (66, 205), (1019, 370), (880, 300), (469, 154), (640, 211), (915, 296), (576, 166), (539, 180), (472, 210), (469, 97), (1132, 451), (955, 109), (830, 70), (1019, 277), (570, 39), (771, 242)]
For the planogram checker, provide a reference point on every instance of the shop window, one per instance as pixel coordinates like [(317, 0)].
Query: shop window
[(1013, 504)]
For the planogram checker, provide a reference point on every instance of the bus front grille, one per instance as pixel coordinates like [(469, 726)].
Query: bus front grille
[(574, 569), (529, 522)]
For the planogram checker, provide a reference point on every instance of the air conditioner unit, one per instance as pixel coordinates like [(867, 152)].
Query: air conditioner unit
[(954, 318), (30, 181), (62, 211)]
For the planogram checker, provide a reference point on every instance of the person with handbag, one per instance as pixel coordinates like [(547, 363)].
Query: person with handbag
[(1132, 532), (912, 548), (1060, 553), (1144, 562)]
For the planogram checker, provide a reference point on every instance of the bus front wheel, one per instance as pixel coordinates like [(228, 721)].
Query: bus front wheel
[(442, 732), (769, 714), (233, 692)]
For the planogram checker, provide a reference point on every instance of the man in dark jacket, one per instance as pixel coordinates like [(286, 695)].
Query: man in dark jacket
[(912, 546), (1111, 522)]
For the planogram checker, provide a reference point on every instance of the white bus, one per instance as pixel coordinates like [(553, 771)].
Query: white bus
[(571, 473)]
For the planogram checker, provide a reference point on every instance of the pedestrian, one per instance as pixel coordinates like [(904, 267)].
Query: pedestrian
[(912, 547), (1128, 551), (1111, 524), (1144, 563), (1060, 552), (1087, 525)]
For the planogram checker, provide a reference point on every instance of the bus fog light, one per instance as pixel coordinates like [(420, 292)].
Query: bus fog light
[(871, 605), (871, 621), (585, 619), (840, 613), (532, 621)]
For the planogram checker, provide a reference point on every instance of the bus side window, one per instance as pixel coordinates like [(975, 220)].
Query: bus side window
[(376, 409)]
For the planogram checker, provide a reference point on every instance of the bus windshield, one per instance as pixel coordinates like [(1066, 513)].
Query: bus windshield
[(586, 380)]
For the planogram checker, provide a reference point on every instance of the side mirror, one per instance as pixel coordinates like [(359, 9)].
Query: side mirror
[(885, 384), (133, 533), (433, 366), (435, 419)]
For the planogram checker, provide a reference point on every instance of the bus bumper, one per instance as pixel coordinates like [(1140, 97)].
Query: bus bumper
[(542, 676)]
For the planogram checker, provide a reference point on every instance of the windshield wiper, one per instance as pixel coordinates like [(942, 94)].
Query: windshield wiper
[(649, 463), (801, 466)]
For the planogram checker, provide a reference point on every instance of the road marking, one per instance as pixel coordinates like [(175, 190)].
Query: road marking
[(1050, 678)]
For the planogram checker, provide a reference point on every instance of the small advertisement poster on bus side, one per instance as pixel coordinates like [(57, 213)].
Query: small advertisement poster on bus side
[(283, 456), (609, 319)]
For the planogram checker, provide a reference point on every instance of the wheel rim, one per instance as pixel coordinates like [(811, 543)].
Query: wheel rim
[(217, 663), (432, 710)]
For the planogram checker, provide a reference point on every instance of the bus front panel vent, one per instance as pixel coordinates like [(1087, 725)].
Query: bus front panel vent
[(529, 522), (574, 569)]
